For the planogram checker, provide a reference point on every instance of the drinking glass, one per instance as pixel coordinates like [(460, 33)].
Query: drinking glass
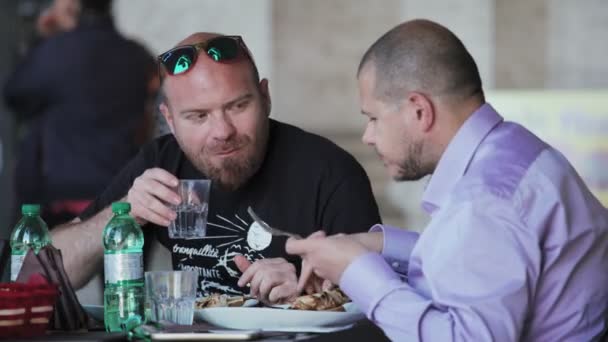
[(170, 295), (191, 220)]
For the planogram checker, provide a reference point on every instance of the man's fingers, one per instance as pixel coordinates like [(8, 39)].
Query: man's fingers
[(141, 211), (317, 235), (157, 189), (161, 175), (259, 266), (157, 206), (299, 247), (242, 263), (255, 282), (302, 247), (266, 285), (272, 261), (280, 294), (150, 193), (147, 203), (263, 275), (305, 275), (248, 275), (278, 286)]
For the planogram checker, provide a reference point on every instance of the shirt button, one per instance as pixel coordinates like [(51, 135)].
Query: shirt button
[(395, 264)]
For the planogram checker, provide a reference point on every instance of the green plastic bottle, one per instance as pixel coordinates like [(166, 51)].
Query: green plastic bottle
[(30, 233), (123, 243)]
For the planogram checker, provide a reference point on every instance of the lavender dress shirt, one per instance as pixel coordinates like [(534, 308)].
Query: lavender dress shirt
[(516, 249)]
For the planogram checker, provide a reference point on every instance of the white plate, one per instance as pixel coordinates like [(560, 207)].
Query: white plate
[(96, 311), (278, 319)]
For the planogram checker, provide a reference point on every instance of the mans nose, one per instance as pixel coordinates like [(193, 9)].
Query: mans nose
[(367, 137), (223, 129)]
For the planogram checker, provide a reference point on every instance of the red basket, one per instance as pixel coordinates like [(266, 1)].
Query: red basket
[(26, 309)]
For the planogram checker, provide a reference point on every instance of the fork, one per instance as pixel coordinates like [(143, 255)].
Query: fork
[(268, 228)]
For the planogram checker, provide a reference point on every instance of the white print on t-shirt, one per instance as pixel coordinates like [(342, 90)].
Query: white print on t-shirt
[(258, 238), (228, 256), (209, 285), (207, 251), (202, 271), (236, 237)]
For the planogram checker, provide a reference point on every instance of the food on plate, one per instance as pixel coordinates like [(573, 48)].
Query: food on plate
[(219, 300), (329, 300)]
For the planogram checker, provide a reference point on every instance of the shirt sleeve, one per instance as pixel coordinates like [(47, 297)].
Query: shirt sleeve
[(397, 246), (119, 186), (473, 284)]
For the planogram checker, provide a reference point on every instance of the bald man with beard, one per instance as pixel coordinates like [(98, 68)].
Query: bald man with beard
[(218, 109)]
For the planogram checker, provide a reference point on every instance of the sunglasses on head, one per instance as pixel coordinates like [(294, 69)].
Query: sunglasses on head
[(220, 49)]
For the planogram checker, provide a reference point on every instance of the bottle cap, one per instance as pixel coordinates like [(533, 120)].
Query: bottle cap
[(121, 207), (30, 209)]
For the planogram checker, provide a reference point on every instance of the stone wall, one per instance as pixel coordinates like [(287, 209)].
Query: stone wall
[(577, 44), (317, 47)]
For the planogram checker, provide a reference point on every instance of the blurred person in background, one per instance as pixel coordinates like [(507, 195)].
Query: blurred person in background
[(42, 19), (38, 20), (89, 94), (60, 16)]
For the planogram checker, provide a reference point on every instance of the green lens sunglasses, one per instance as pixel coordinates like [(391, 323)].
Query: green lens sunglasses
[(220, 49)]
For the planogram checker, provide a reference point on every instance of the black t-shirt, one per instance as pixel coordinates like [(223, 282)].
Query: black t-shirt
[(305, 183)]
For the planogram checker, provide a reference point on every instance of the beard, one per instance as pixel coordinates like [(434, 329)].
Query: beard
[(412, 168), (233, 171)]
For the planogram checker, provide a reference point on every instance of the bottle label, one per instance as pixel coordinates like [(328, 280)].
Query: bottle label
[(16, 262), (124, 266)]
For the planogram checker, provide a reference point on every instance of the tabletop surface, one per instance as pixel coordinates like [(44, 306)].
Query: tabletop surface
[(362, 331)]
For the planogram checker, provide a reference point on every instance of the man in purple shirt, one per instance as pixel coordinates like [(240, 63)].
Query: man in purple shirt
[(517, 246)]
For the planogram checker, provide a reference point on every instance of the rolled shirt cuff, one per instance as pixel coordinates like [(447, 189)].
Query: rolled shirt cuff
[(397, 246)]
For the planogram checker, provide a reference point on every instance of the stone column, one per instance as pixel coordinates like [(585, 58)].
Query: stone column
[(317, 48), (577, 44), (471, 20), (521, 43)]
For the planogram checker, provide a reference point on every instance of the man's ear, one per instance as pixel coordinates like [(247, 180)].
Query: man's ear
[(265, 92), (424, 110), (164, 109)]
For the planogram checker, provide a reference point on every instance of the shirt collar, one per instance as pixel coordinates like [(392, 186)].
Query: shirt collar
[(457, 156)]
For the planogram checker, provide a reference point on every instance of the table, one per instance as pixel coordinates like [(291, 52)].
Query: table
[(362, 331)]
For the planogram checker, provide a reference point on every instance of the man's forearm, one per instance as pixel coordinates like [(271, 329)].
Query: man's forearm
[(81, 247)]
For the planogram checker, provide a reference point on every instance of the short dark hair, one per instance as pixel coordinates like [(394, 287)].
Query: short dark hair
[(421, 55)]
